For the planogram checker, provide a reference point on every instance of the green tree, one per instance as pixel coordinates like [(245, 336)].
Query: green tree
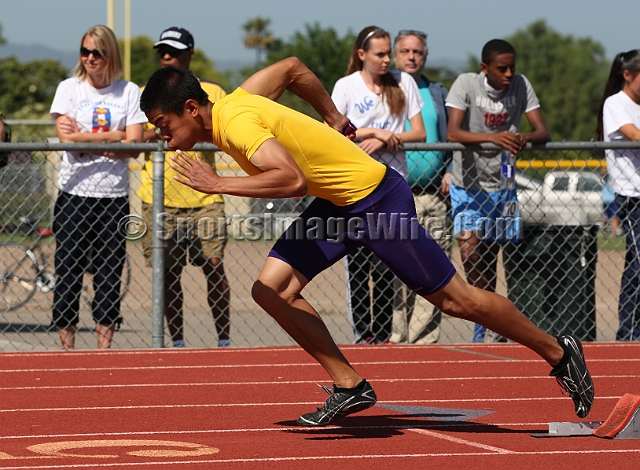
[(324, 51), (444, 75), (204, 67), (144, 61), (568, 75), (2, 39), (258, 36), (28, 88)]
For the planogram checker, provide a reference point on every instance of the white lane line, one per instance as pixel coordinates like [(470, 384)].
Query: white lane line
[(290, 382), (297, 364), (479, 353), (457, 440), (429, 425), (289, 349), (320, 458), (497, 400), (310, 403)]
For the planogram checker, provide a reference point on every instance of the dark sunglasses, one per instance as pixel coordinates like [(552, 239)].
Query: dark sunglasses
[(97, 53), (172, 51)]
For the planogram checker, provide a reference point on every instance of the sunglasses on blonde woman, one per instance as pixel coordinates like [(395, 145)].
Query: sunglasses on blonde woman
[(97, 53)]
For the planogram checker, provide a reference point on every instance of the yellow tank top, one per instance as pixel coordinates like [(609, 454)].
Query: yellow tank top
[(336, 169)]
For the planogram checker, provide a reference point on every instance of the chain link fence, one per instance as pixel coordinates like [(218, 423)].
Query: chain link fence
[(565, 273)]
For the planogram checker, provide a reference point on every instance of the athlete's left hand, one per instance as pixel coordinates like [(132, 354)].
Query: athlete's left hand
[(195, 172)]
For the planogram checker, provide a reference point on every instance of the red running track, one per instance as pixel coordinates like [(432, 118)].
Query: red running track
[(440, 406)]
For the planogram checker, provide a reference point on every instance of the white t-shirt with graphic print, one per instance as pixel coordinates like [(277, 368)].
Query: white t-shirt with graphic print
[(366, 109), (96, 110)]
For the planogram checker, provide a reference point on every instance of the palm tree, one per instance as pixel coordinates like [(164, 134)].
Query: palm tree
[(258, 36)]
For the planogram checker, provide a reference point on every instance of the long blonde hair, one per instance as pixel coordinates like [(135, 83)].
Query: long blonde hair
[(392, 94), (106, 41)]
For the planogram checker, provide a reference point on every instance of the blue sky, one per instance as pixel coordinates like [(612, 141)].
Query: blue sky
[(456, 28)]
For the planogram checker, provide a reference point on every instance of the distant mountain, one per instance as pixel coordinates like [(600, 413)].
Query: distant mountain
[(29, 53)]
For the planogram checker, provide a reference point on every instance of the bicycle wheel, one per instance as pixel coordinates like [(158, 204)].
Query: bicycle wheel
[(87, 283), (18, 273)]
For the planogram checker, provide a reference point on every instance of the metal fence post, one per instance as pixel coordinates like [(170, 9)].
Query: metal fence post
[(157, 301)]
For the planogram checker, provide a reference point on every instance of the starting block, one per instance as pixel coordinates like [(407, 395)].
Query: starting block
[(573, 429), (567, 429), (624, 420), (622, 423)]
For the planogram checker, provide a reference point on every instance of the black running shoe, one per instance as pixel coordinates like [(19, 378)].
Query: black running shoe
[(340, 403), (573, 376)]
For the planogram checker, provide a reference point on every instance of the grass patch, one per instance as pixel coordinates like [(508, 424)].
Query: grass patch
[(612, 243)]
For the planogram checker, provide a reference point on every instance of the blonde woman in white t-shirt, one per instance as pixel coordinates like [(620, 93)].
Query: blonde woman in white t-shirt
[(378, 102), (92, 106), (619, 121)]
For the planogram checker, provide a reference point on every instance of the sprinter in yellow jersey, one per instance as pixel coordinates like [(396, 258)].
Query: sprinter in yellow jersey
[(287, 154)]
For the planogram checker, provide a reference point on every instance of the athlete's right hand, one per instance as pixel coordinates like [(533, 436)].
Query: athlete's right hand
[(194, 172)]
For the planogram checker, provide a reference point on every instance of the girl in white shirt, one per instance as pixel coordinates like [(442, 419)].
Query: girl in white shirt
[(619, 121), (378, 102), (93, 106)]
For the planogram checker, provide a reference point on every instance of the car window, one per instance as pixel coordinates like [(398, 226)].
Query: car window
[(561, 184), (589, 184)]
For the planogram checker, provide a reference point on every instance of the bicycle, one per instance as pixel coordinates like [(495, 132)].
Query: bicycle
[(24, 269)]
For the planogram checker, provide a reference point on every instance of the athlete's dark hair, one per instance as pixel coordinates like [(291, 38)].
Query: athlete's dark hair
[(496, 47), (168, 90), (629, 61)]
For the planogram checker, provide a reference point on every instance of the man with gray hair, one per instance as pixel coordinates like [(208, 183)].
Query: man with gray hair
[(414, 319)]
